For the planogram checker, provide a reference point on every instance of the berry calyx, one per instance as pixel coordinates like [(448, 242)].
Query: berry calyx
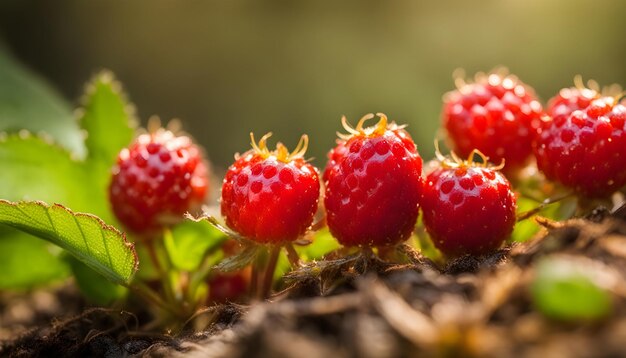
[(158, 178), (497, 114), (270, 196), (586, 151), (468, 207), (373, 189)]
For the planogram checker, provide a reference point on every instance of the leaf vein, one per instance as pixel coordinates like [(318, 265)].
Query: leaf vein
[(106, 247), (56, 233), (82, 233), (32, 220)]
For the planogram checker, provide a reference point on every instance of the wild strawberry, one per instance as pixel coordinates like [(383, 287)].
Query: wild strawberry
[(571, 99), (469, 208), (158, 178), (372, 196), (334, 155), (587, 150), (497, 114), (270, 197), (229, 286)]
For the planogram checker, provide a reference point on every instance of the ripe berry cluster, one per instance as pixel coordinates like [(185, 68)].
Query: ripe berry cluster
[(373, 186)]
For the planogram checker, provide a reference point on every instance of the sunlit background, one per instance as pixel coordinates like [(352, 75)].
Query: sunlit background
[(230, 67)]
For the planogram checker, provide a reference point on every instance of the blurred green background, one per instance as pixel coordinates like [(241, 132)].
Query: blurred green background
[(230, 67)]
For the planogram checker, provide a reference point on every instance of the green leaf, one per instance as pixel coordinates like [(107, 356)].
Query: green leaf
[(94, 286), (241, 260), (525, 229), (34, 169), (28, 102), (43, 260), (323, 243), (107, 118), (566, 290), (189, 241), (99, 246)]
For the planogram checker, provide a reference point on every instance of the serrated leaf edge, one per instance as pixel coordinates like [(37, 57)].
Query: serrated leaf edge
[(106, 76), (43, 137), (104, 226)]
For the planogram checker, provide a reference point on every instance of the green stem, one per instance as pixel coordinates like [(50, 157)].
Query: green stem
[(292, 256), (527, 214), (254, 280), (269, 271), (206, 266), (151, 297)]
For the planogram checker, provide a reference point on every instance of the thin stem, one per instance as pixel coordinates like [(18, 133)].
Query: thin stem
[(254, 279), (148, 295), (269, 271), (527, 214), (319, 224), (154, 258), (292, 256), (206, 264), (154, 247)]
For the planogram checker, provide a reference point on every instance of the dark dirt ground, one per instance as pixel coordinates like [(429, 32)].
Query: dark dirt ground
[(362, 307)]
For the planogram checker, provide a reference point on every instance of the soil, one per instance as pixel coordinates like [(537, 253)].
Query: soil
[(362, 306)]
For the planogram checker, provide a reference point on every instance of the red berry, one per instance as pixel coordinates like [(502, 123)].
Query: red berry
[(468, 208), (587, 151), (334, 155), (271, 197), (372, 196), (569, 100), (158, 178), (498, 114), (229, 286)]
